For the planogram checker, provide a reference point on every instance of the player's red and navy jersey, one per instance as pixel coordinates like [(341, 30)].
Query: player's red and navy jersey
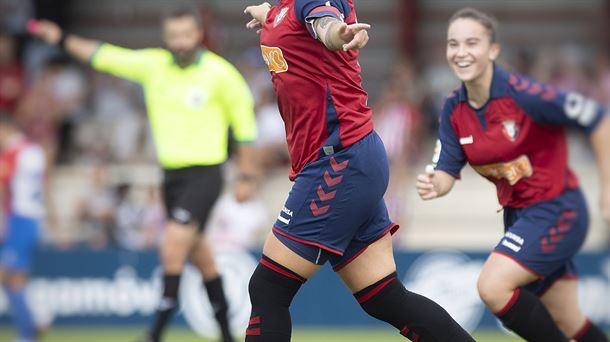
[(517, 139), (22, 165), (320, 94)]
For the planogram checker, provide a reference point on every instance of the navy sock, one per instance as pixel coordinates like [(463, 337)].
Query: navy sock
[(272, 288), (416, 317), (590, 333), (528, 317)]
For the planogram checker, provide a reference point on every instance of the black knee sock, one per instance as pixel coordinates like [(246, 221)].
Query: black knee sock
[(169, 301), (417, 317), (272, 288), (527, 317), (590, 333), (219, 305)]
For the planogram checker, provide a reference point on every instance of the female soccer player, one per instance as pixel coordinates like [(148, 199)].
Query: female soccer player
[(335, 210), (511, 131)]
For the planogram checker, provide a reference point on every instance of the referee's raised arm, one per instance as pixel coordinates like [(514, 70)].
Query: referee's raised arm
[(80, 48)]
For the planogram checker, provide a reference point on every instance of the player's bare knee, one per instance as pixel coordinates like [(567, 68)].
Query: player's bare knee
[(491, 291)]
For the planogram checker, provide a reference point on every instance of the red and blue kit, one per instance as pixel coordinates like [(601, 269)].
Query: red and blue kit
[(338, 162), (517, 141), (22, 166)]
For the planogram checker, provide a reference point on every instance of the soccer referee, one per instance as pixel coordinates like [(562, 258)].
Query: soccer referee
[(192, 97)]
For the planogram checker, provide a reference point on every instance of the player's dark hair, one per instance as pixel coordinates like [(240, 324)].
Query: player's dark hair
[(487, 20), (184, 10)]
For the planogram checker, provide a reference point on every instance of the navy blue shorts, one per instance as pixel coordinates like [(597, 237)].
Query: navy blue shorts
[(17, 249), (335, 208), (544, 237)]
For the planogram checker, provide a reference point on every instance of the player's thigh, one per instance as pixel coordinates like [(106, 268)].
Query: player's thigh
[(178, 241), (284, 256), (561, 299), (376, 262)]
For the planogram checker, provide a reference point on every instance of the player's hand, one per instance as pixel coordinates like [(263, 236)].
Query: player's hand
[(45, 30), (355, 35), (425, 186), (259, 16)]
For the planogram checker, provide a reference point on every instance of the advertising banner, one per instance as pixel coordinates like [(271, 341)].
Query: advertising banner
[(117, 287)]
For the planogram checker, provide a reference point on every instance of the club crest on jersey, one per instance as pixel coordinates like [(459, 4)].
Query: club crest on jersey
[(274, 58), (511, 130), (196, 97), (280, 17)]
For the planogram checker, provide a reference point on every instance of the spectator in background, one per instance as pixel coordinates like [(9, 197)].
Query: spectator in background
[(237, 226), (568, 71), (153, 218), (12, 80), (97, 209), (15, 13), (437, 82), (271, 141), (58, 93), (118, 117), (601, 78), (128, 218), (397, 122)]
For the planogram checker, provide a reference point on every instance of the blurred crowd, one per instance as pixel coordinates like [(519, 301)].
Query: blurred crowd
[(96, 124)]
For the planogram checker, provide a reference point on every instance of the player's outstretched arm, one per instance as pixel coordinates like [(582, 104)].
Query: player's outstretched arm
[(258, 14), (337, 35), (78, 47), (600, 142), (434, 184)]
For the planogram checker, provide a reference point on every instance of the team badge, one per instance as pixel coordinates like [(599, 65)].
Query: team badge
[(510, 129), (196, 97), (280, 16)]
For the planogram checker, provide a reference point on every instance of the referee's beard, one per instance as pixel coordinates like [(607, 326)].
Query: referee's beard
[(184, 57)]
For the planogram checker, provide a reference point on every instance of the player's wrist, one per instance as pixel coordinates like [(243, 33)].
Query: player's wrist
[(63, 36)]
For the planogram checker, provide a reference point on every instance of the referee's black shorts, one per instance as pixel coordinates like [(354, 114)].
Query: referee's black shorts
[(190, 193)]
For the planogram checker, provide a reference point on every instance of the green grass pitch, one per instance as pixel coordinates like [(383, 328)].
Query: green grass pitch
[(113, 334)]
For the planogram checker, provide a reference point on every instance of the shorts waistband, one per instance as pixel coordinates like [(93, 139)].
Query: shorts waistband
[(328, 150)]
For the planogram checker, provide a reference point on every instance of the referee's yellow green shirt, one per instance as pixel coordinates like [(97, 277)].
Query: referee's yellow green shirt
[(190, 109)]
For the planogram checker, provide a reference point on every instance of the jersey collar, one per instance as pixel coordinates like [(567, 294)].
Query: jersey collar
[(499, 85), (198, 58)]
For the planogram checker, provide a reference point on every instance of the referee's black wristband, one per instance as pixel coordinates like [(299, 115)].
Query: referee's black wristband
[(62, 40)]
